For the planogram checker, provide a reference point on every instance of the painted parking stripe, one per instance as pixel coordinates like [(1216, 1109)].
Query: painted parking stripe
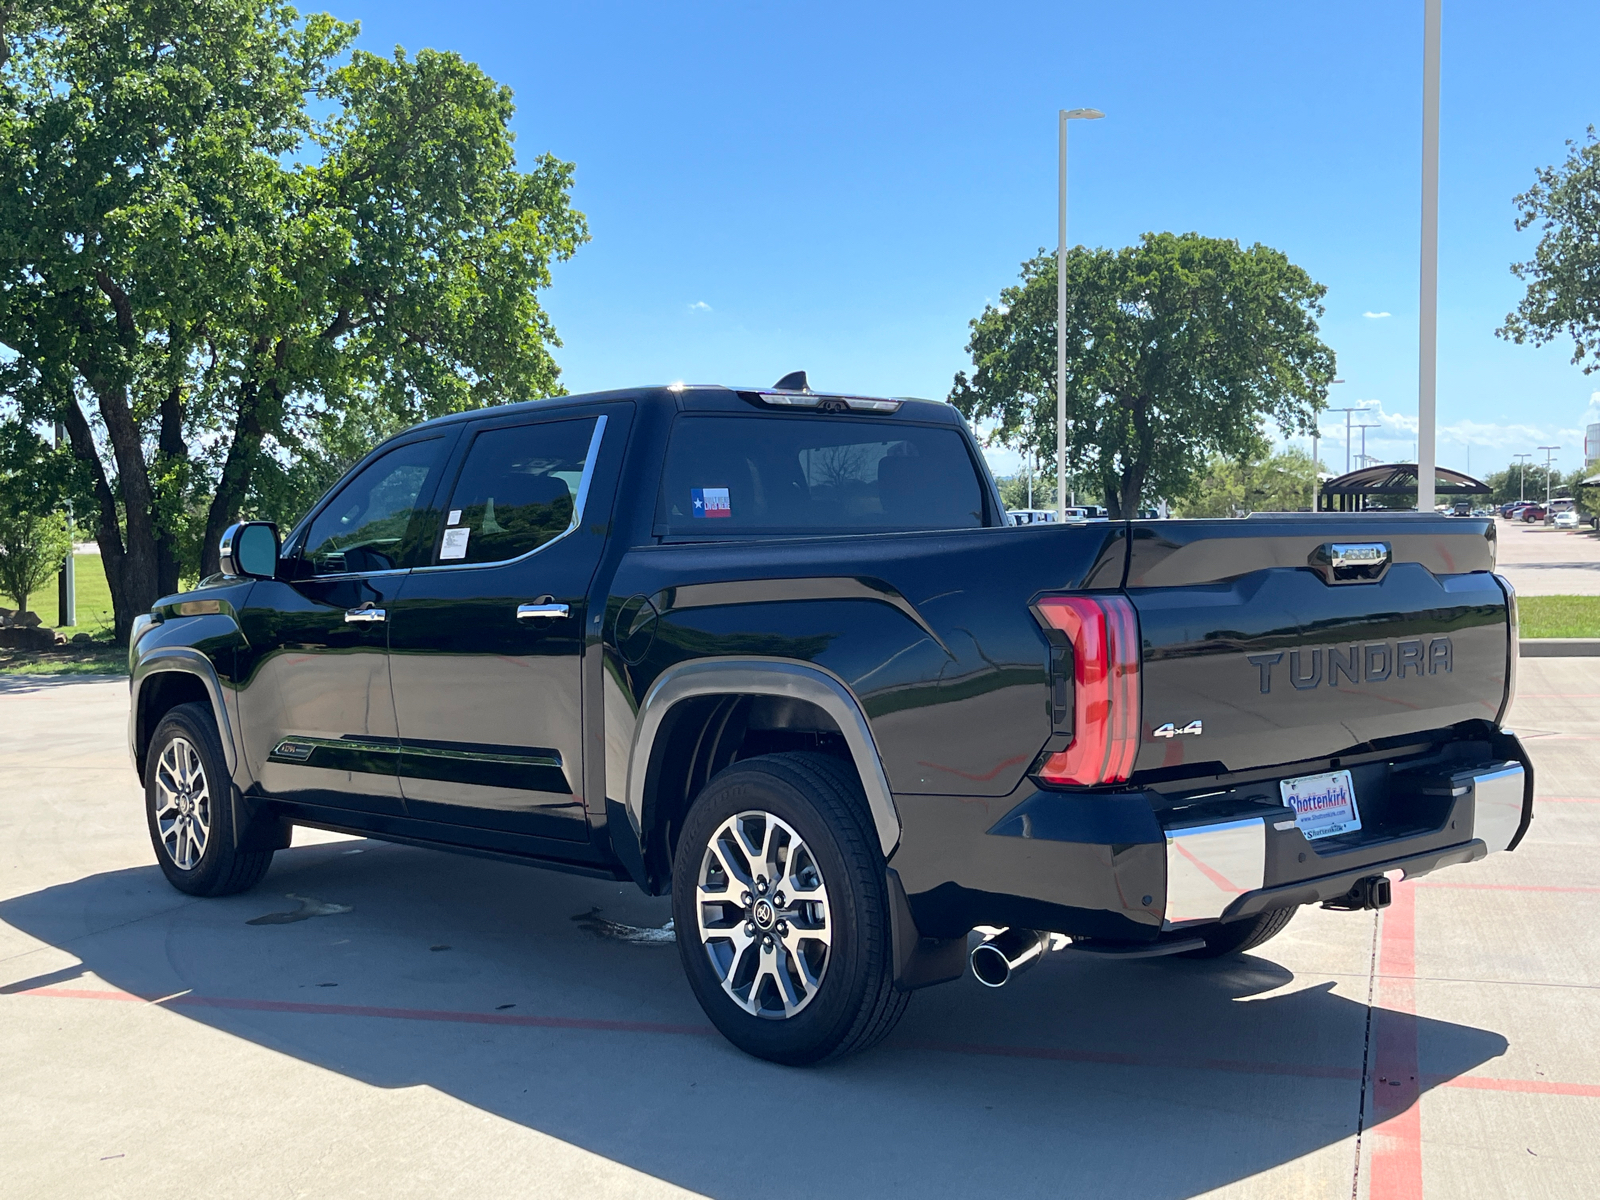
[(992, 1050), (1396, 1088)]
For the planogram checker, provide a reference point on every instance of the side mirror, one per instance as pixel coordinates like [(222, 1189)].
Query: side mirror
[(250, 549)]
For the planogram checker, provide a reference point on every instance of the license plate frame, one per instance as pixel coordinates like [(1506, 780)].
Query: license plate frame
[(1320, 804)]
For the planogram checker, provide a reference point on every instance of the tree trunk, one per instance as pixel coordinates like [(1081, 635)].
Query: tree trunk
[(235, 482), (108, 532), (171, 447), (136, 589)]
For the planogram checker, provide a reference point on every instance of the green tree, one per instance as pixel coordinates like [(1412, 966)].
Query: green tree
[(1178, 349), (1563, 276), (33, 547), (216, 241), (1230, 488)]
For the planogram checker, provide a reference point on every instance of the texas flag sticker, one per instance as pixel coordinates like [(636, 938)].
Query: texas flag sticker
[(711, 502)]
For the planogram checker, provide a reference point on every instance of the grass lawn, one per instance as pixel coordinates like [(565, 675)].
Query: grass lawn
[(94, 618), (1559, 616)]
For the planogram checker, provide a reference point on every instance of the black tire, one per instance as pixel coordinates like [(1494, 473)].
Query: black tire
[(1238, 936), (218, 869), (854, 1004)]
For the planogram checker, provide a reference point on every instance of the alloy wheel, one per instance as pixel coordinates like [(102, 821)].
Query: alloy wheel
[(183, 804), (764, 916)]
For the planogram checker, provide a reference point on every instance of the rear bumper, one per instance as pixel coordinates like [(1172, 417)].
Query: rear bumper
[(1224, 870), (1128, 867)]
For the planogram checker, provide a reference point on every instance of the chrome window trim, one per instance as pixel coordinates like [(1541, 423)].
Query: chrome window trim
[(353, 574), (578, 504)]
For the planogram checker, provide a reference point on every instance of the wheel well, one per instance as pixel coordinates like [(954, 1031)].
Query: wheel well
[(161, 693), (703, 735)]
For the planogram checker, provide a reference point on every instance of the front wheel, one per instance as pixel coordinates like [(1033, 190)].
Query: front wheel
[(781, 905), (189, 808)]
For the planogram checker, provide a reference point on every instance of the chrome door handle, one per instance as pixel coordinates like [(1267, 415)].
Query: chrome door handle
[(528, 611), (364, 616)]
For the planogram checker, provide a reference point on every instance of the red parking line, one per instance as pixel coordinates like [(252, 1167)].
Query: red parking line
[(1042, 1053), (1532, 1086), (363, 1010), (1396, 1090)]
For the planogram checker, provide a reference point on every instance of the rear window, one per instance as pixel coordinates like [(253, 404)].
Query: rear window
[(804, 475)]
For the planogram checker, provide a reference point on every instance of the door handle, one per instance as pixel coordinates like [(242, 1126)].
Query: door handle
[(364, 616), (529, 611)]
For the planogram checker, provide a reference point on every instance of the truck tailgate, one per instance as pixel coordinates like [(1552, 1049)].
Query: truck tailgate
[(1259, 651)]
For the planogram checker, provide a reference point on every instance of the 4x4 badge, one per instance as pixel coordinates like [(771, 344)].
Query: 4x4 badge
[(1170, 730)]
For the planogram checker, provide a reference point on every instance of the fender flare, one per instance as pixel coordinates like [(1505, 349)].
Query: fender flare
[(192, 662), (764, 677)]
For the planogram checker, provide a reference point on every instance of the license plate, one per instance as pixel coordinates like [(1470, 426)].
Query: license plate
[(1324, 805)]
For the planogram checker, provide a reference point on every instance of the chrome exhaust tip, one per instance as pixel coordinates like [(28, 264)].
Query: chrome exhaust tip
[(1006, 953)]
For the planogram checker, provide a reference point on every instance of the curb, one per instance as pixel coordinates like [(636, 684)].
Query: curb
[(1560, 647)]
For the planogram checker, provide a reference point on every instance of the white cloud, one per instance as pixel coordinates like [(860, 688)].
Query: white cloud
[(1376, 316), (699, 306)]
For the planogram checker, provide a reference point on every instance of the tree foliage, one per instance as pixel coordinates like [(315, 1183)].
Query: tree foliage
[(1563, 277), (1178, 349), (1280, 482), (226, 235), (36, 482)]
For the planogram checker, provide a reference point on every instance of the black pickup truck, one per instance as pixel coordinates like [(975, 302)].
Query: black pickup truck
[(781, 654)]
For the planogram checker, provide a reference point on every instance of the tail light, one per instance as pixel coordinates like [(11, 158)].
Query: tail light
[(1104, 636)]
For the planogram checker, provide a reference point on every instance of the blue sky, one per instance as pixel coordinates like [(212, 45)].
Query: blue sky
[(842, 187)]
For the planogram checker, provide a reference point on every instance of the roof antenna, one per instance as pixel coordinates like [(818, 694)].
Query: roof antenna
[(794, 381)]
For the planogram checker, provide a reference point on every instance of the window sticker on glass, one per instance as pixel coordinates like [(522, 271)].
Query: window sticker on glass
[(455, 543), (455, 517), (711, 502)]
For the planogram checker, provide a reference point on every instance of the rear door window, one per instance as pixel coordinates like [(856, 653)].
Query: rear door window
[(808, 475), (517, 491)]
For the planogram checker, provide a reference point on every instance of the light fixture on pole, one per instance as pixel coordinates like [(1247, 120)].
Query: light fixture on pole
[(1316, 463), (1549, 452), (1522, 480), (1428, 322), (1364, 429), (1361, 407), (1065, 115)]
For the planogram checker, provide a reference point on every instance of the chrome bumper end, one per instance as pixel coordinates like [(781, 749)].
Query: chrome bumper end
[(1209, 867)]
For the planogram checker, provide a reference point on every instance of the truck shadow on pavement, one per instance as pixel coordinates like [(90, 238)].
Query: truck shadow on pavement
[(1159, 1078)]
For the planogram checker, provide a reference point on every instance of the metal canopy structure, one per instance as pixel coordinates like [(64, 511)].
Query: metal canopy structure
[(1348, 493)]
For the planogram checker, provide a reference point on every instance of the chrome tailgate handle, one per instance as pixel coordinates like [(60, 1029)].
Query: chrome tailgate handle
[(526, 612), (1351, 562), (364, 616)]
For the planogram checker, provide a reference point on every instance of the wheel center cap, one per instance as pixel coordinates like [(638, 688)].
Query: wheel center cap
[(764, 914)]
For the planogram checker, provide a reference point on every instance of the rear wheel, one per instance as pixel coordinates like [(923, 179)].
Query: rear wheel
[(781, 905), (189, 808), (1238, 936)]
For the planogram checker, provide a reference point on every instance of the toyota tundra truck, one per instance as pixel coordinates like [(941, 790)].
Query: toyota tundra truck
[(781, 655)]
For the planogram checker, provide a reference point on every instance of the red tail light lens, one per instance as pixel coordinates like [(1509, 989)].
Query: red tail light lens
[(1104, 632)]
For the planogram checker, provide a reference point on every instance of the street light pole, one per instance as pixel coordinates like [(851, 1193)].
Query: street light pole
[(1065, 115), (1522, 478), (1428, 324), (1364, 429), (1549, 451)]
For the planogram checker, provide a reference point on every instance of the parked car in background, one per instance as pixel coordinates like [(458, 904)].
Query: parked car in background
[(1530, 513), (1034, 516), (1567, 519)]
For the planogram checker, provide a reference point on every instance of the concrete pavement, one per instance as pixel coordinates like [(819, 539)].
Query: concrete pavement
[(1542, 561), (475, 1028)]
